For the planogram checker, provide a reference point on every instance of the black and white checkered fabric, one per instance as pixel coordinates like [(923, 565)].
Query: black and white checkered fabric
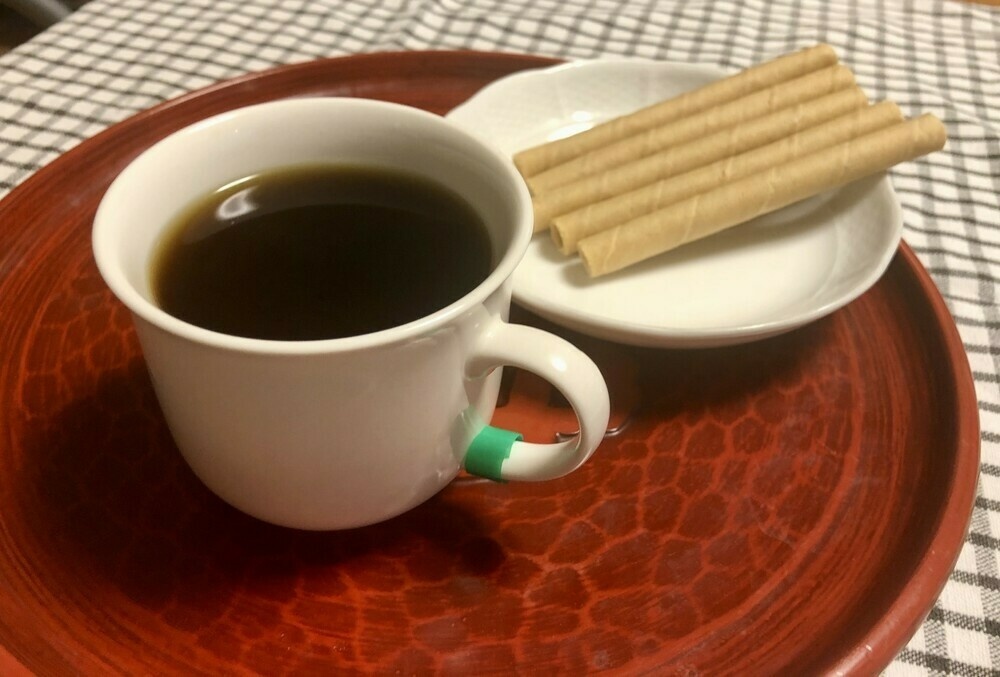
[(115, 57)]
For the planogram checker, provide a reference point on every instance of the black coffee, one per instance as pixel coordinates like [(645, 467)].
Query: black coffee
[(320, 252)]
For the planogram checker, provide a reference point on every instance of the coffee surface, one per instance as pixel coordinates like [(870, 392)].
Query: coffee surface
[(315, 253)]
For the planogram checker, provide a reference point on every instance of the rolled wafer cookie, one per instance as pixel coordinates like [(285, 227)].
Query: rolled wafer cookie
[(694, 153), (733, 203), (708, 121), (786, 67), (569, 229)]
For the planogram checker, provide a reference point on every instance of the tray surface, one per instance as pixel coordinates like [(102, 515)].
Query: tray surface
[(790, 505)]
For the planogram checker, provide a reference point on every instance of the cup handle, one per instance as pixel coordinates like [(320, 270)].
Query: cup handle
[(500, 454)]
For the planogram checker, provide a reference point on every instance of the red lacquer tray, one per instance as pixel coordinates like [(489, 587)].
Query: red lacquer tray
[(793, 505)]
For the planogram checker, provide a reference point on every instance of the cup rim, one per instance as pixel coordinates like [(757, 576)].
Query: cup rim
[(105, 252)]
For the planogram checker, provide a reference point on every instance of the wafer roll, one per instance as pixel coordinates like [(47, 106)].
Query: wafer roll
[(537, 159), (706, 122), (733, 203), (694, 153), (568, 229)]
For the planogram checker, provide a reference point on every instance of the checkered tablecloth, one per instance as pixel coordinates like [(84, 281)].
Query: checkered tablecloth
[(115, 57)]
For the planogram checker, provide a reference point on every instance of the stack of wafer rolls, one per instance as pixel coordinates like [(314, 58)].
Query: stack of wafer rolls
[(717, 156)]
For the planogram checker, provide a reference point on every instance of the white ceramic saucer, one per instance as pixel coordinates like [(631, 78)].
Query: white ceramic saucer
[(759, 279)]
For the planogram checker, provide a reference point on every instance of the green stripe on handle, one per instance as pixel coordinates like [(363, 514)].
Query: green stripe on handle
[(488, 450)]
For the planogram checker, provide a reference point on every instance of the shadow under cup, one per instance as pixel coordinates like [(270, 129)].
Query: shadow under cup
[(329, 433)]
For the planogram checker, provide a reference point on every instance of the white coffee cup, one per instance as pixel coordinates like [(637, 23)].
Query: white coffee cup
[(343, 432)]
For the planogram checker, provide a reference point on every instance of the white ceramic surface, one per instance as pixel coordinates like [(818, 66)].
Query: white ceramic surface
[(759, 279), (343, 432)]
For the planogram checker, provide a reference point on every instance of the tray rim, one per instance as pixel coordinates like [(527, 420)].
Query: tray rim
[(890, 633), (921, 591)]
